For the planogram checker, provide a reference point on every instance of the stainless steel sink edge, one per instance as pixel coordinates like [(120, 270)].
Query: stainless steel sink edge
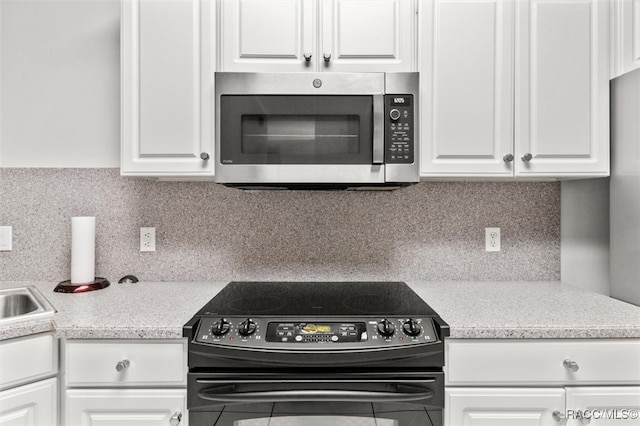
[(43, 310)]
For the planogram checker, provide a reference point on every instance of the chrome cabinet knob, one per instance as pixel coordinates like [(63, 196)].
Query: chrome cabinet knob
[(527, 157), (204, 156), (570, 365), (175, 419), (508, 158), (327, 57), (123, 365), (307, 56), (559, 417)]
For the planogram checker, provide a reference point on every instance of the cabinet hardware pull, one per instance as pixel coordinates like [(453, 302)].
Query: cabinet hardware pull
[(327, 57), (508, 158), (570, 365), (527, 157), (175, 419), (123, 365), (559, 417), (307, 56), (204, 156)]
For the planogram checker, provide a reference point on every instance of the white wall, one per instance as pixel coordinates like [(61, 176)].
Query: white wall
[(584, 234), (59, 83)]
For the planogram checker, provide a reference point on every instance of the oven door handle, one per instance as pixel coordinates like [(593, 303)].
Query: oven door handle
[(314, 395)]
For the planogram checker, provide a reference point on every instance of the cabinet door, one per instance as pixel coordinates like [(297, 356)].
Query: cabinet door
[(562, 88), (604, 405), (625, 36), (30, 405), (467, 87), (167, 88), (119, 407), (368, 35), (268, 35), (502, 406)]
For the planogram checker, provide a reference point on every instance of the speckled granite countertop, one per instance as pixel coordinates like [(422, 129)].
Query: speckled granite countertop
[(472, 309)]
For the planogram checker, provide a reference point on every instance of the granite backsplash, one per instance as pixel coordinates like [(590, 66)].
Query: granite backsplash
[(206, 232)]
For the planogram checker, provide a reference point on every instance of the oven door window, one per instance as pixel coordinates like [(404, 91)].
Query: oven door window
[(272, 129)]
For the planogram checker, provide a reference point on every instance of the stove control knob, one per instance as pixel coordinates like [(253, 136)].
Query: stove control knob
[(411, 327), (386, 328), (247, 327), (221, 327)]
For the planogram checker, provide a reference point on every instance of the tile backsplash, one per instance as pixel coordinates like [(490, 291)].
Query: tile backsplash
[(206, 232)]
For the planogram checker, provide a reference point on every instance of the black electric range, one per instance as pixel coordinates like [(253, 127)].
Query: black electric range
[(372, 344)]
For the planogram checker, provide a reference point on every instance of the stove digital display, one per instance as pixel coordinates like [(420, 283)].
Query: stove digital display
[(315, 328), (309, 332)]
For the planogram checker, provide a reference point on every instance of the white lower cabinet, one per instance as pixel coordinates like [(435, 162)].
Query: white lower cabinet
[(125, 382), (120, 407), (503, 406), (542, 382), (28, 382), (615, 405), (35, 404)]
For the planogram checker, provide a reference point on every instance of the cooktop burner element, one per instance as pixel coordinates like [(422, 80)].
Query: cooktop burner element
[(317, 299)]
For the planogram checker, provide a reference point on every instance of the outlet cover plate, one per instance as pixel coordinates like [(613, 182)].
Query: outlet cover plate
[(492, 239), (6, 238), (147, 239)]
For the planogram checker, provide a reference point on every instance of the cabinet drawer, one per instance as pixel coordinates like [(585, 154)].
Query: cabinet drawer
[(26, 359), (540, 362), (125, 363)]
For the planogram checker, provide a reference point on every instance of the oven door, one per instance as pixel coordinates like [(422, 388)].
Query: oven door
[(300, 139), (406, 399)]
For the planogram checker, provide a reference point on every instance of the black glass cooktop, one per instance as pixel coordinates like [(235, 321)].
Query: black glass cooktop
[(268, 298)]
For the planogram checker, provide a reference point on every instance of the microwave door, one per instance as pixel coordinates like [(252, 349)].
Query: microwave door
[(300, 138)]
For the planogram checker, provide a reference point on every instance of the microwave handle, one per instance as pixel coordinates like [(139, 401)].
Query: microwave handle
[(378, 129)]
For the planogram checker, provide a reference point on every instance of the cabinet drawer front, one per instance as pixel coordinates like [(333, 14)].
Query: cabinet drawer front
[(26, 359), (542, 362), (125, 363)]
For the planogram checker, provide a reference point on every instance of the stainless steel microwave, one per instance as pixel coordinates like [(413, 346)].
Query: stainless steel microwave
[(316, 130)]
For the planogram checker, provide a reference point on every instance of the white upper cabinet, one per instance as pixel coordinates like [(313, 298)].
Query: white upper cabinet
[(312, 35), (167, 88), (562, 88), (368, 35), (514, 88), (467, 87), (625, 36), (268, 36)]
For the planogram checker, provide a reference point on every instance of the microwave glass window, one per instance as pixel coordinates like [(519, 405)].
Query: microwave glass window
[(300, 137), (279, 129)]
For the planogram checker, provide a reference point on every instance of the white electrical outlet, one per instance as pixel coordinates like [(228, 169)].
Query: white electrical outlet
[(5, 238), (492, 239), (147, 239)]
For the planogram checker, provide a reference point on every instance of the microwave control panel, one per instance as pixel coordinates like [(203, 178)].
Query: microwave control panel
[(399, 129)]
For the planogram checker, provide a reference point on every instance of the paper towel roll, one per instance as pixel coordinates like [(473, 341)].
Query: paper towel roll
[(83, 249)]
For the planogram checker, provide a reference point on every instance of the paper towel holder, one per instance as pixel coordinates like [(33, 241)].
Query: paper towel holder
[(67, 287)]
